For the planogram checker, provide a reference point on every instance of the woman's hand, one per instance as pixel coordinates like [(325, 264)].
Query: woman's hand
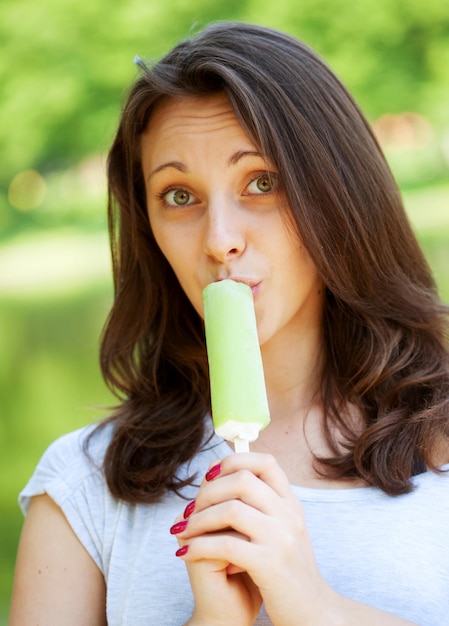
[(247, 520), (222, 597)]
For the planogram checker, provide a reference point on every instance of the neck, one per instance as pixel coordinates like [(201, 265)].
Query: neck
[(293, 366), (292, 374)]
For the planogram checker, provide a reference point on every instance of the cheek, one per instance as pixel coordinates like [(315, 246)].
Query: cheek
[(180, 257), (165, 241)]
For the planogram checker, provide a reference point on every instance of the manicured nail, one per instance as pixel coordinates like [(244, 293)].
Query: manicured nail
[(181, 551), (213, 472), (178, 527), (189, 509)]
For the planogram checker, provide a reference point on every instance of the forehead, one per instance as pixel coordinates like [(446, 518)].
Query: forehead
[(191, 115)]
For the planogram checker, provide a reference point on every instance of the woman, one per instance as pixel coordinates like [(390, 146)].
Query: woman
[(240, 155)]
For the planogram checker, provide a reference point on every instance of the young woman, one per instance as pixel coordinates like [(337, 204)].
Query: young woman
[(240, 156)]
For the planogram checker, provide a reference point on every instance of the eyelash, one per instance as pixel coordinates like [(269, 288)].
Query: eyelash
[(162, 195), (271, 176)]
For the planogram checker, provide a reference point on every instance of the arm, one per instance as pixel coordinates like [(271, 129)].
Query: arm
[(349, 613), (270, 542), (56, 581)]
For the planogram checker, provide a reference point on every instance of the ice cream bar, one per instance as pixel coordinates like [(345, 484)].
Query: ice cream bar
[(238, 395)]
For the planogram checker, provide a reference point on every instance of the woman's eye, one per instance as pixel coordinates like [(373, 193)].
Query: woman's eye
[(262, 184), (177, 197)]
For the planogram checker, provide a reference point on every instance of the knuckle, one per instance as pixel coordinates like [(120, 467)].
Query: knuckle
[(245, 479), (270, 462), (227, 545), (234, 508)]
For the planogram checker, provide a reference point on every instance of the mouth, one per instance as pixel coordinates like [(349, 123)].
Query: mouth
[(254, 285)]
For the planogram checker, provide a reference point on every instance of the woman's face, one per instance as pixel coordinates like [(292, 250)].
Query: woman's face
[(216, 211)]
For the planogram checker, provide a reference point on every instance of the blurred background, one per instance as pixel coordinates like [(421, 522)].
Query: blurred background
[(64, 71)]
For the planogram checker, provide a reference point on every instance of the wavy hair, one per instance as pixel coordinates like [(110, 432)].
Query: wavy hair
[(385, 328)]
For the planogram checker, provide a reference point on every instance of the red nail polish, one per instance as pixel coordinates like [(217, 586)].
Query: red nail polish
[(181, 551), (189, 509), (213, 472), (178, 527)]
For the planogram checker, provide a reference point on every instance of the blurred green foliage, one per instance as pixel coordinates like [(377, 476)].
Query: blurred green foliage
[(64, 67), (49, 383), (391, 53), (64, 71)]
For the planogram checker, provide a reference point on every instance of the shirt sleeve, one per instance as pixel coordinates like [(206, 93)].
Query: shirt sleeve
[(73, 478)]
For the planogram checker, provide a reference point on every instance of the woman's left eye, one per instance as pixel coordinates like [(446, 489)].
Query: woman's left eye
[(262, 184)]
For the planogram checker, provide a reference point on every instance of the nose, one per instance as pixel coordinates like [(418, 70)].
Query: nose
[(225, 236)]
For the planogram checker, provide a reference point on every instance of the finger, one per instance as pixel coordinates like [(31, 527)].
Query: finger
[(264, 466), (286, 520), (222, 550), (245, 486), (242, 485), (178, 529)]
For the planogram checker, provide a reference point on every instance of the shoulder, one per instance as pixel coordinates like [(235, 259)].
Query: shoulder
[(441, 453), (67, 463), (70, 473)]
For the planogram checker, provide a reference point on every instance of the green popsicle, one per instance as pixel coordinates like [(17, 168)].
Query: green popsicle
[(238, 395)]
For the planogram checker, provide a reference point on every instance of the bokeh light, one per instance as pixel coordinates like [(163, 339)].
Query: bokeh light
[(27, 190)]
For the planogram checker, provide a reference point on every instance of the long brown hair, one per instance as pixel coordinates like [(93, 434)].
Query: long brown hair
[(384, 327)]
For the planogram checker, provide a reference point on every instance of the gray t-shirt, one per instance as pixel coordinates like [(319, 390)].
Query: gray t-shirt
[(391, 553)]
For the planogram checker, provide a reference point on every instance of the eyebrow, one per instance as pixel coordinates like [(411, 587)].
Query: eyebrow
[(235, 158), (178, 165)]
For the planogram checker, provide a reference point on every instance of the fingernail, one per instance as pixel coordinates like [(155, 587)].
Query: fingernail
[(213, 472), (189, 509), (181, 551), (178, 527)]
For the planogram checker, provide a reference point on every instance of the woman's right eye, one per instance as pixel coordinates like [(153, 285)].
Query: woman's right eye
[(176, 197)]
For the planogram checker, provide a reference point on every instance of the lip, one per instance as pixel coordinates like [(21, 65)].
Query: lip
[(253, 284)]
